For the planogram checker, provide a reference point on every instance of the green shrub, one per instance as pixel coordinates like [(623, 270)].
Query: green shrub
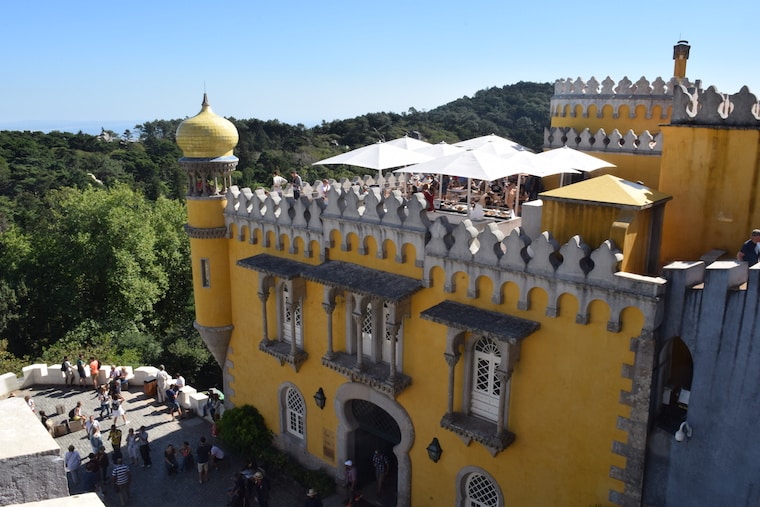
[(243, 428)]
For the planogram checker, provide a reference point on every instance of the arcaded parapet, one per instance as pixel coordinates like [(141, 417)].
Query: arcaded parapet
[(614, 142), (354, 210), (710, 107), (569, 94)]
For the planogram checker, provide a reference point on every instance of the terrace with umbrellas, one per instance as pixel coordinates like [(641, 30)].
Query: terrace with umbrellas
[(484, 179)]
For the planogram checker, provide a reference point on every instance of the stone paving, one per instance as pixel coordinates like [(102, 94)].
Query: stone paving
[(152, 486)]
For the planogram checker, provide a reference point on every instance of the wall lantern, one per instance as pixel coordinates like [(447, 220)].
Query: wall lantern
[(434, 450), (684, 431), (320, 398)]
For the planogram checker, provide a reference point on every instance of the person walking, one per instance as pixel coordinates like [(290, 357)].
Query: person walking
[(381, 466), (261, 489), (105, 402), (278, 182), (312, 499), (68, 371), (202, 453), (114, 436), (351, 477), (172, 402), (170, 460), (73, 461), (142, 439), (118, 410), (162, 384), (94, 372), (297, 183), (750, 250), (96, 439), (81, 372), (122, 477), (185, 457), (132, 447)]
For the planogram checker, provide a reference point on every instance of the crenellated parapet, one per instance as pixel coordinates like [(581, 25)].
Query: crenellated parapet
[(711, 108), (573, 268), (452, 244), (614, 142), (656, 97)]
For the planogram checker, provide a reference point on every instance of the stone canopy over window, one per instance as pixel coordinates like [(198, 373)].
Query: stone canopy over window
[(491, 345)]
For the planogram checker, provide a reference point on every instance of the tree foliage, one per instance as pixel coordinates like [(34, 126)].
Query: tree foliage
[(95, 258)]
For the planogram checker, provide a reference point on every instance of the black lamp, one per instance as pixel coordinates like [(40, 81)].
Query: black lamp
[(320, 398), (434, 450)]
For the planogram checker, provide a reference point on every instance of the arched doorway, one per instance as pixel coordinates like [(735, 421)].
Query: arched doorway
[(369, 420), (678, 368)]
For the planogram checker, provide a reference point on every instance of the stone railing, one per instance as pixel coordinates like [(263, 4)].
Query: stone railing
[(614, 142), (51, 375)]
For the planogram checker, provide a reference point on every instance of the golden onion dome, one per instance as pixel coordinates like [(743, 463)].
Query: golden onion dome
[(206, 135)]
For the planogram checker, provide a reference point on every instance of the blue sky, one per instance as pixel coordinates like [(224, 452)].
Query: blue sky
[(307, 61)]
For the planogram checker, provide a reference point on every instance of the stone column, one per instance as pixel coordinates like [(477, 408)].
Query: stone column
[(329, 308), (503, 377), (358, 318), (292, 309), (451, 360), (394, 327), (263, 296)]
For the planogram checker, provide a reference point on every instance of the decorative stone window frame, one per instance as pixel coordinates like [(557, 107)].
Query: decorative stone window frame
[(465, 326), (205, 269), (286, 350), (369, 367), (463, 480), (291, 440)]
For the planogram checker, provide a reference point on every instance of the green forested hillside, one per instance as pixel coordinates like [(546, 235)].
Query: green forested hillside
[(93, 251)]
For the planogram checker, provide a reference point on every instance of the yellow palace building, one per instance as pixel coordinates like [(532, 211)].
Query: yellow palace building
[(492, 366)]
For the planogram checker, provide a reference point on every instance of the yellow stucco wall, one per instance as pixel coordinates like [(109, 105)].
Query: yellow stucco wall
[(624, 122), (711, 173), (564, 396), (212, 303)]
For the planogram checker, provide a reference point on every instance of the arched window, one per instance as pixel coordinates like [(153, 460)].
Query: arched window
[(480, 491), (295, 412), (486, 386)]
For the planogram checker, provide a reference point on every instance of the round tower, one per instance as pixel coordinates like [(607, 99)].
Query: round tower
[(207, 141)]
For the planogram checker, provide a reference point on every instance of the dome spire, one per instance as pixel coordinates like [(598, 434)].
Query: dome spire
[(205, 100)]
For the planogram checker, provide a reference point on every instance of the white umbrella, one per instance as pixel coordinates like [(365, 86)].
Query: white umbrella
[(440, 150), (492, 139), (567, 158), (470, 164), (377, 156), (525, 162), (408, 143)]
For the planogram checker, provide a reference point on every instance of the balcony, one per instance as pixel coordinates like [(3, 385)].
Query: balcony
[(375, 375)]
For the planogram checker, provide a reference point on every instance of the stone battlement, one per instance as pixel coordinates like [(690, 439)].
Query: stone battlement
[(656, 97), (309, 226), (710, 107)]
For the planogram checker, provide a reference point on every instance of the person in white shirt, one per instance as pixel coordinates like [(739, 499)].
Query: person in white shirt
[(217, 455), (278, 182), (162, 384), (73, 461)]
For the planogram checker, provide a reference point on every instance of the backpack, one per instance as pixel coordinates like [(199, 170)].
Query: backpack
[(71, 413), (63, 366)]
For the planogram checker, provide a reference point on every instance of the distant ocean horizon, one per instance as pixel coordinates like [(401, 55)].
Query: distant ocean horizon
[(93, 127), (86, 127)]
